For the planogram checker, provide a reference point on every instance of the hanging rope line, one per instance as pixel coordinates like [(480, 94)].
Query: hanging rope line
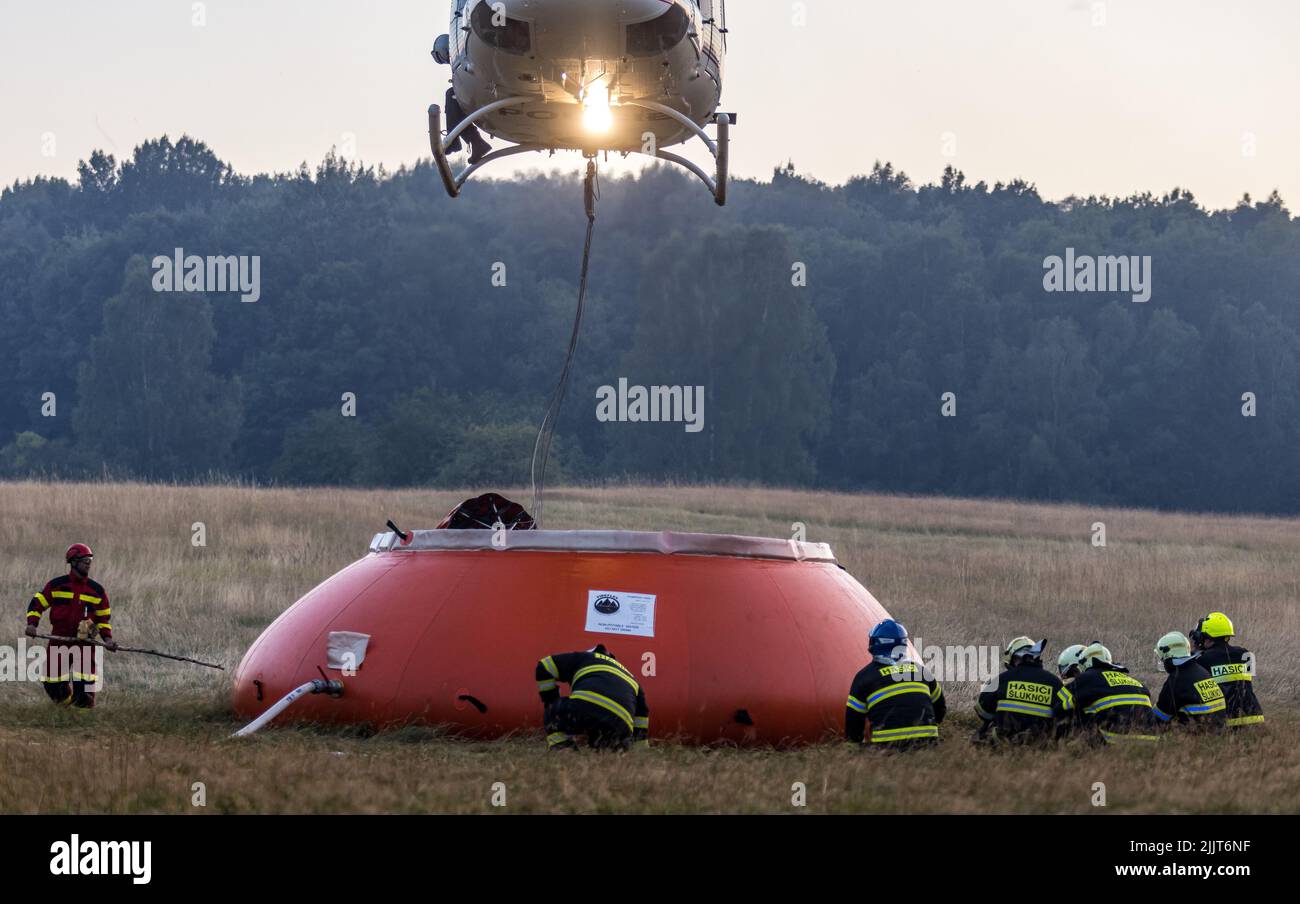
[(546, 432)]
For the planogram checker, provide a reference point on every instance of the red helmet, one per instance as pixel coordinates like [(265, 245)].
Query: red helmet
[(77, 551)]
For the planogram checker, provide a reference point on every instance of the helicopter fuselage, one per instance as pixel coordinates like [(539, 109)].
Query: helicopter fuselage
[(582, 66)]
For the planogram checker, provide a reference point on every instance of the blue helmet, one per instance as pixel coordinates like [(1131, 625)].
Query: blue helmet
[(886, 638)]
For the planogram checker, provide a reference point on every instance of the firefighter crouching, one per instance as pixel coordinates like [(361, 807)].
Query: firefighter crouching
[(1026, 703), (1068, 667), (1114, 707), (1067, 664), (895, 696), (1233, 668), (1190, 697), (606, 704), (78, 607)]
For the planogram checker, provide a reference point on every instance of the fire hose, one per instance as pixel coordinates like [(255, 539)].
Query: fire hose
[(329, 686)]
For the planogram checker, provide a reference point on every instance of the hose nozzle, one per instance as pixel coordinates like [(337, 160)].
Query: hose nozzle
[(324, 685)]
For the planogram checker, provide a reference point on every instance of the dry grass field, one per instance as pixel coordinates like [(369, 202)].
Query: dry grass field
[(955, 571)]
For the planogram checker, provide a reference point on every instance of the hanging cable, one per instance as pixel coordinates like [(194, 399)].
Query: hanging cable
[(546, 432)]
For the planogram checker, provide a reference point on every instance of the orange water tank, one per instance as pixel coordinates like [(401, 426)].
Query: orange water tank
[(735, 638)]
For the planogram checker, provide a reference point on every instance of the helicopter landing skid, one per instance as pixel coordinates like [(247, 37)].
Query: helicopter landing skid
[(453, 182)]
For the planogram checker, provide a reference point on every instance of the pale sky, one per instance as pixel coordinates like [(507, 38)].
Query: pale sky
[(1203, 94)]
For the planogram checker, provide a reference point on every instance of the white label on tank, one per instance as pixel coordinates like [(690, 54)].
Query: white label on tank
[(616, 612)]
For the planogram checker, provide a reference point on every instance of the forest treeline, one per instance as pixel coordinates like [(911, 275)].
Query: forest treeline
[(879, 334)]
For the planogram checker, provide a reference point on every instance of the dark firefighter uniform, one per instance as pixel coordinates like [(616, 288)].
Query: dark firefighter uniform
[(69, 667), (1192, 697), (1231, 668), (1114, 704), (903, 704), (605, 702), (1026, 703)]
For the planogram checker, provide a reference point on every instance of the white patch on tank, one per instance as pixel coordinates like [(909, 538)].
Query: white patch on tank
[(619, 612), (346, 650)]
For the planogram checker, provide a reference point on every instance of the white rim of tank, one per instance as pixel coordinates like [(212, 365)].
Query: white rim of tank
[(669, 543)]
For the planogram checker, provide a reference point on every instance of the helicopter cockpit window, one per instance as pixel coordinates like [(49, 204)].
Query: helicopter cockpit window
[(658, 35), (512, 37)]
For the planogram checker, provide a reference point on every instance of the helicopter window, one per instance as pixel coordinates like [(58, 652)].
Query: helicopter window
[(658, 35), (513, 37)]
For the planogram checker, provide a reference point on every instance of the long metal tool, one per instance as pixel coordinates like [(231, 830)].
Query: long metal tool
[(120, 649)]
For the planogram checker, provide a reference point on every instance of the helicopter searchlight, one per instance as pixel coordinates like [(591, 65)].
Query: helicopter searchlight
[(596, 114), (595, 76)]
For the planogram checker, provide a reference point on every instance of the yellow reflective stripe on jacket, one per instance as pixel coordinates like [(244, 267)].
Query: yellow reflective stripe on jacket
[(1066, 698), (902, 687), (604, 703), (612, 661), (1204, 709), (62, 594), (91, 599), (557, 737), (40, 598), (856, 705), (105, 611), (887, 735), (1119, 700), (937, 692), (1246, 720), (549, 664), (1114, 736), (31, 614), (546, 685), (105, 627), (1239, 676), (641, 722), (1025, 708), (593, 669), (982, 712)]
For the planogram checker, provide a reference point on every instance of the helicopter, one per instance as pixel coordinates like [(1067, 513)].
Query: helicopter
[(611, 76)]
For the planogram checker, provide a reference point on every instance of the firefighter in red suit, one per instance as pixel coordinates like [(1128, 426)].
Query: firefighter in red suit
[(71, 600)]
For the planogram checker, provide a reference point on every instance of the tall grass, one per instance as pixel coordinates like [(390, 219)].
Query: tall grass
[(955, 571)]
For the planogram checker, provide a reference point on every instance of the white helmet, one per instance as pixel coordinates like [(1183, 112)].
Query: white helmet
[(1094, 654), (1174, 646), (1068, 661), (1013, 649), (1021, 646)]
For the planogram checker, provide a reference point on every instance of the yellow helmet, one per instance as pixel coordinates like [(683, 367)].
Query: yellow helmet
[(1175, 646), (1068, 661), (1216, 624)]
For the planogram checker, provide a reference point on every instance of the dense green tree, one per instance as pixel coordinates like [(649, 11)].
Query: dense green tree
[(147, 402), (325, 447), (722, 312), (448, 323)]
